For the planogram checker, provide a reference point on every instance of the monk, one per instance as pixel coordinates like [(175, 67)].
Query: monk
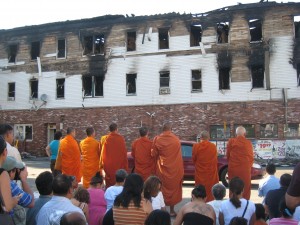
[(240, 159), (68, 158), (205, 158), (141, 153), (166, 150), (113, 154), (90, 151)]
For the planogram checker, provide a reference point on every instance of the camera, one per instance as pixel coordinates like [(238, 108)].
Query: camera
[(18, 171)]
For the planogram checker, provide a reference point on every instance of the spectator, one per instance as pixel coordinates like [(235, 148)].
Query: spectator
[(287, 215), (260, 215), (274, 196), (152, 192), (269, 183), (97, 205), (81, 199), (129, 206), (292, 195), (60, 203), (112, 192), (72, 218), (158, 217), (43, 183), (238, 221), (236, 206), (108, 218), (219, 192), (196, 211), (52, 150)]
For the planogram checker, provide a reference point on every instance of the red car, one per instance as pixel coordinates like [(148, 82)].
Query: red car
[(257, 171)]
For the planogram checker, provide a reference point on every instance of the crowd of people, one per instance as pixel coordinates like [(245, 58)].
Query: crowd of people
[(111, 194)]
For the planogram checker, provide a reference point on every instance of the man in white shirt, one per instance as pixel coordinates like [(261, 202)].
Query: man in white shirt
[(60, 203), (219, 192)]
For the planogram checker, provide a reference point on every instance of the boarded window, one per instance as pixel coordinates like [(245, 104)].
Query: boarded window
[(61, 48), (292, 130), (298, 74), (257, 73), (60, 88), (250, 129), (222, 32), (195, 35), (297, 26), (269, 130), (35, 50), (131, 41), (131, 84), (93, 45), (12, 53), (164, 79), (196, 81), (255, 27), (34, 84), (92, 86), (11, 91), (163, 35), (224, 78), (219, 132)]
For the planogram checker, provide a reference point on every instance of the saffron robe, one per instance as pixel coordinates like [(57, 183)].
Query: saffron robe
[(113, 156), (143, 161), (68, 158), (166, 150), (205, 158), (240, 159), (90, 152)]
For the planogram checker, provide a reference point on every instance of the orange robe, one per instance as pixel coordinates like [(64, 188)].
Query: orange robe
[(68, 158), (113, 156), (143, 161), (205, 158), (166, 150), (240, 159), (90, 159)]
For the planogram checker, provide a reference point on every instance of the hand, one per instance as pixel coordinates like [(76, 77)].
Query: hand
[(23, 174)]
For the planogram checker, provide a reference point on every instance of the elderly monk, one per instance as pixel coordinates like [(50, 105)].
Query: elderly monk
[(141, 153), (90, 152), (166, 150), (113, 154), (68, 158), (240, 159), (205, 158)]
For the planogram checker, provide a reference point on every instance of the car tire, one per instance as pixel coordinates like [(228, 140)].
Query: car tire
[(224, 176)]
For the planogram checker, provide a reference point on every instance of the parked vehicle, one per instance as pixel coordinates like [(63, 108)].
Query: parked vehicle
[(257, 171)]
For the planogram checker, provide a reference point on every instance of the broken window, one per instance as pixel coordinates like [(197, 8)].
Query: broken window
[(195, 35), (131, 41), (12, 53), (11, 91), (60, 88), (269, 130), (163, 35), (297, 26), (222, 32), (257, 76), (61, 48), (196, 81), (131, 84), (34, 83), (219, 132), (224, 78), (92, 86), (93, 45), (35, 50), (255, 27), (298, 74)]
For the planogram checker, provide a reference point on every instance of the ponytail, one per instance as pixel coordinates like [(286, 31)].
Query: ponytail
[(236, 187), (235, 201)]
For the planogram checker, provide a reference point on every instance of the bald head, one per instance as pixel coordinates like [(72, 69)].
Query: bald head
[(240, 131), (73, 218), (204, 135), (167, 126)]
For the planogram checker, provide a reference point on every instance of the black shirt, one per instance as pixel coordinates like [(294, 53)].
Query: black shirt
[(272, 200)]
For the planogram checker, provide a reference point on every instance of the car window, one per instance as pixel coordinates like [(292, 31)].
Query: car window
[(186, 150)]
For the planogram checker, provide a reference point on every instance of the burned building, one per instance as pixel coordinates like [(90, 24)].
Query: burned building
[(237, 65)]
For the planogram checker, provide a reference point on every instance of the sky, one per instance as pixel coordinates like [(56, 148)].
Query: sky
[(18, 13)]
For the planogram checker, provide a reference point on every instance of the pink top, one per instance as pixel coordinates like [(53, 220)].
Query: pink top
[(97, 206), (281, 221)]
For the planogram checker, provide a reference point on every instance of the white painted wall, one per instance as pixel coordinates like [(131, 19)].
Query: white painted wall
[(147, 68)]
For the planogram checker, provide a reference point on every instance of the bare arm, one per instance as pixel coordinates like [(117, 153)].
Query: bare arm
[(5, 191), (48, 151), (179, 217), (25, 186), (291, 201), (252, 219)]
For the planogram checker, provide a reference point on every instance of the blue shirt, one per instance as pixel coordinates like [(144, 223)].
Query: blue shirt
[(38, 204), (269, 183), (54, 145), (26, 198)]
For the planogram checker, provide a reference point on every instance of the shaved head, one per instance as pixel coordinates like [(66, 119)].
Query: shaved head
[(240, 131), (167, 126), (73, 218), (204, 135)]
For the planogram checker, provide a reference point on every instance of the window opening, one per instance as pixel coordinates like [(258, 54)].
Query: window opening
[(98, 82), (222, 32), (92, 86), (60, 88), (99, 44), (12, 53), (131, 84), (93, 45), (196, 81), (255, 27), (298, 74), (88, 45), (23, 132), (34, 83), (61, 48), (131, 41), (164, 79), (268, 130), (224, 78), (163, 34), (257, 76), (35, 50), (297, 26), (195, 35), (11, 91)]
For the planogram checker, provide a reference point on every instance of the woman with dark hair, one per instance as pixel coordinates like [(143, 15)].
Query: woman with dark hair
[(236, 206), (82, 199), (158, 217), (260, 215), (97, 205), (287, 215), (52, 150), (129, 206), (152, 192), (238, 221)]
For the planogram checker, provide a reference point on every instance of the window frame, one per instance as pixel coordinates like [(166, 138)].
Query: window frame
[(251, 21), (221, 76), (287, 130), (163, 31), (11, 98), (219, 129), (224, 25), (10, 52), (31, 50), (65, 49), (193, 39), (93, 86), (94, 37), (263, 136), (62, 85), (31, 91), (253, 78), (194, 80), (128, 39), (23, 134), (127, 84)]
